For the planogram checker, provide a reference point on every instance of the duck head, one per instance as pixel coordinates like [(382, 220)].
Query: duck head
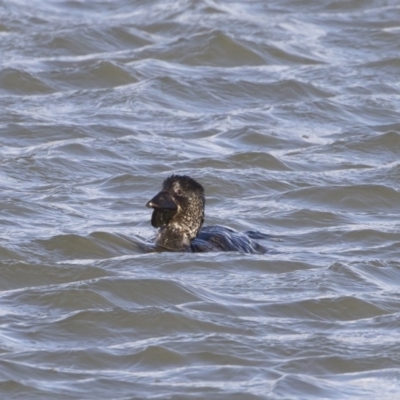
[(178, 212)]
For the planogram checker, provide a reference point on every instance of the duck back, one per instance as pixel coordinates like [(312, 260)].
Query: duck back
[(220, 238)]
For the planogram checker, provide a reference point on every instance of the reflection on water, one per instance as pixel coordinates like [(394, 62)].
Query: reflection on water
[(288, 115)]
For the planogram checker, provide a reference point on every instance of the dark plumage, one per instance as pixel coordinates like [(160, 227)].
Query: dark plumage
[(179, 215)]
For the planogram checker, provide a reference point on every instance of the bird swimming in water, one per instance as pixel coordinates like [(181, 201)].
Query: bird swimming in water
[(178, 213)]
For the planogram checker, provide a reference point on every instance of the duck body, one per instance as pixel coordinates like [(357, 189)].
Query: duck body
[(221, 238), (178, 213)]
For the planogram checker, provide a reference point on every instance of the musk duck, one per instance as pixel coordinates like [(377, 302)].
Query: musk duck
[(178, 213)]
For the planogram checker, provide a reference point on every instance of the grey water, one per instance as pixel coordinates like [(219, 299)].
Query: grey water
[(287, 112)]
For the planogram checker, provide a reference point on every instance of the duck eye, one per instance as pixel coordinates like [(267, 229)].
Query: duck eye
[(179, 192)]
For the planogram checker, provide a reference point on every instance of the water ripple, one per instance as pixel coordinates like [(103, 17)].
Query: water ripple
[(287, 112)]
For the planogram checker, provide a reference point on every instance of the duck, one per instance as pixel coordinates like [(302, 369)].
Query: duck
[(178, 214)]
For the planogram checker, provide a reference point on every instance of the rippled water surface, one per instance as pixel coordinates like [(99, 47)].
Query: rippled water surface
[(288, 113)]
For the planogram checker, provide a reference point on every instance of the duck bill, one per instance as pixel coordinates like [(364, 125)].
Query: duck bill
[(162, 201)]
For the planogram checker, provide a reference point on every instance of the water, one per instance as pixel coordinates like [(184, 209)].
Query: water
[(287, 112)]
